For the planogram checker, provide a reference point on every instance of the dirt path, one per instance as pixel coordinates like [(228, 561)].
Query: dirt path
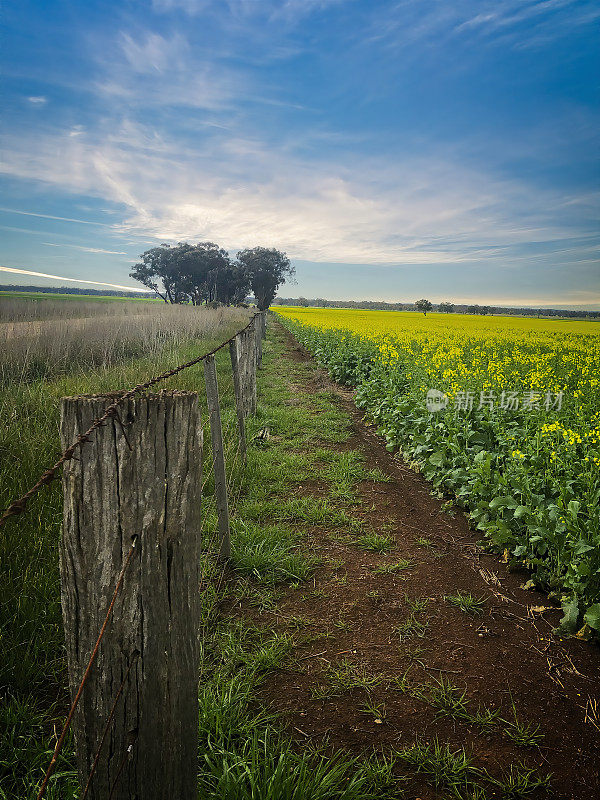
[(356, 619)]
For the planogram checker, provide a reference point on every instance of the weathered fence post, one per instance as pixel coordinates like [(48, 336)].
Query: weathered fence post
[(248, 370), (234, 350), (252, 366), (138, 479), (259, 337), (264, 324), (218, 455)]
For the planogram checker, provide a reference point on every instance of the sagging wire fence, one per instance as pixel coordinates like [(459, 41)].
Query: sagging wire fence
[(140, 526)]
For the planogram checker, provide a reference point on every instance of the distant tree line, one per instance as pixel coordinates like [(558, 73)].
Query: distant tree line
[(425, 305), (12, 287), (205, 273)]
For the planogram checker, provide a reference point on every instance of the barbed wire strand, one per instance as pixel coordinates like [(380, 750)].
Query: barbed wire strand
[(18, 506), (86, 675)]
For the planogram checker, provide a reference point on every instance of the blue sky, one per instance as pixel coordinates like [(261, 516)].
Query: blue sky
[(394, 149)]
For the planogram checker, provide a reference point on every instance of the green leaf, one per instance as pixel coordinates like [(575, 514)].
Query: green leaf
[(520, 511), (573, 507), (568, 623), (503, 502), (583, 547), (592, 616), (437, 459)]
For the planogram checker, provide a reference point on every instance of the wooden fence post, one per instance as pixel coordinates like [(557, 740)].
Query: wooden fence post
[(140, 476), (247, 371), (218, 455), (259, 338), (234, 351), (252, 365)]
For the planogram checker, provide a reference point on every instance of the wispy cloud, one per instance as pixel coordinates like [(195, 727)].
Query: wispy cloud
[(71, 280), (87, 249), (431, 209), (38, 100), (51, 216)]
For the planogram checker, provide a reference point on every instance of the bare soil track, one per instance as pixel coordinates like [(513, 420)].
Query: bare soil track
[(503, 655)]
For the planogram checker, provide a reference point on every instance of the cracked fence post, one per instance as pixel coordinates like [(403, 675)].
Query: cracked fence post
[(139, 476)]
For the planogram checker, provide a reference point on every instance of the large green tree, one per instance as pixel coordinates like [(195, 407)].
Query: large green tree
[(266, 269), (195, 273), (202, 267), (158, 271)]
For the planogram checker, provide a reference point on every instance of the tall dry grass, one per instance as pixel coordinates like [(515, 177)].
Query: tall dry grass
[(34, 349), (24, 309)]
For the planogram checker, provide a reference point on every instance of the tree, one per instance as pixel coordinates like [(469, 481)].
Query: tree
[(158, 266), (266, 269), (479, 310), (204, 268), (424, 306), (446, 308)]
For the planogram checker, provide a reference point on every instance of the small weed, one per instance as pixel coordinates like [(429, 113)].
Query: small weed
[(418, 604), (486, 717), (525, 734), (412, 625), (373, 595), (346, 675), (321, 692), (374, 710), (375, 542), (401, 684), (296, 621), (521, 782), (423, 542), (466, 602), (342, 625), (449, 699), (446, 768), (377, 475)]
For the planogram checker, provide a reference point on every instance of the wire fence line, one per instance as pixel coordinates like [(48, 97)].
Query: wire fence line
[(100, 529), (111, 411)]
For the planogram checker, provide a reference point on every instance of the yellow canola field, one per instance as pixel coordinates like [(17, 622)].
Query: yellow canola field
[(459, 352)]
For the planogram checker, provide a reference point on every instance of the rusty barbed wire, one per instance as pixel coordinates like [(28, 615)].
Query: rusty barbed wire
[(18, 506)]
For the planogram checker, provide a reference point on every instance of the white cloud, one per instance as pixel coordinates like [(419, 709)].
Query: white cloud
[(241, 192), (38, 100), (87, 249)]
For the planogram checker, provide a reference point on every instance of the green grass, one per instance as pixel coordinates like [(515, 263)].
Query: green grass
[(244, 752), (467, 602), (375, 542), (101, 298)]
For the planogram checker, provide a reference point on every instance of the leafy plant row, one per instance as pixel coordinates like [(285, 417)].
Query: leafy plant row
[(531, 489)]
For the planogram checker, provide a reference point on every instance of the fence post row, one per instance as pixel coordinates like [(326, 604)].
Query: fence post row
[(132, 535), (218, 455), (138, 480)]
